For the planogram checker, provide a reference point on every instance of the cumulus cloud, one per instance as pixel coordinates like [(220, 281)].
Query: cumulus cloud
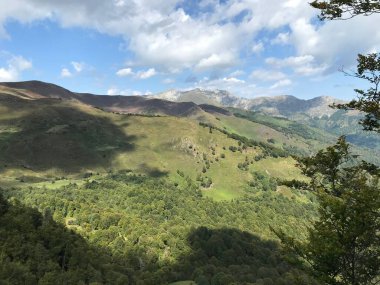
[(216, 61), (164, 35), (142, 74), (302, 65), (281, 83), (76, 69), (232, 84), (125, 92), (146, 74), (125, 72), (281, 39), (78, 66), (66, 73), (15, 66)]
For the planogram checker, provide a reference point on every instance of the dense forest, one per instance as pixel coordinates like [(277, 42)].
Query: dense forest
[(124, 228)]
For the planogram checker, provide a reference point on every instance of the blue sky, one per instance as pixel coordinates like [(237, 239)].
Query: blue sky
[(249, 47)]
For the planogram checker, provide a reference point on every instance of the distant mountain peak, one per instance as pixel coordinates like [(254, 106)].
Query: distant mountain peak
[(282, 105)]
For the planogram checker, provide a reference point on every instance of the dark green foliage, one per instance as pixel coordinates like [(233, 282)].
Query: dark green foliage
[(344, 244), (232, 148), (36, 250), (263, 182), (206, 182), (245, 142), (150, 229), (244, 165), (345, 9), (368, 68), (294, 184), (292, 128), (259, 157), (245, 253)]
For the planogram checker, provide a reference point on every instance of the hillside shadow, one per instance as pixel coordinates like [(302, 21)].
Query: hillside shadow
[(34, 249), (153, 172), (54, 135), (230, 256)]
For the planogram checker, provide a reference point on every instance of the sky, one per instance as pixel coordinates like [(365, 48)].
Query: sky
[(128, 47)]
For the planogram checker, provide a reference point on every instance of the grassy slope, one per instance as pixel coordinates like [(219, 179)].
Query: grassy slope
[(54, 138)]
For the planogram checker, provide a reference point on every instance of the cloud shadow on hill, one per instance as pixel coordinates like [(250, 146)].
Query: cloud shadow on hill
[(53, 135)]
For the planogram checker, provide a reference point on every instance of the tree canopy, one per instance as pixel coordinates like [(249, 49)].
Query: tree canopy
[(343, 246), (368, 66), (346, 9)]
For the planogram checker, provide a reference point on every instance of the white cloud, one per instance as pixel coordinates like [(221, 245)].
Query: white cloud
[(15, 66), (267, 75), (160, 34), (78, 66), (151, 27), (304, 65), (115, 91), (281, 39), (237, 73), (76, 69), (66, 73), (146, 74), (125, 72), (216, 61), (281, 83), (290, 61), (142, 74), (258, 48), (231, 84), (7, 75)]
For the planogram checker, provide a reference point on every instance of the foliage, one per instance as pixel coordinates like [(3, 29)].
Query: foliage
[(294, 183), (345, 9), (263, 181), (368, 67), (34, 249), (279, 124), (344, 244), (161, 233), (245, 142)]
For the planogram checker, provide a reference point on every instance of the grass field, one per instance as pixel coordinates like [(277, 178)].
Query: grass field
[(45, 140)]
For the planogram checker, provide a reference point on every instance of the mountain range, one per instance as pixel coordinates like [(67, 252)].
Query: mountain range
[(283, 106), (187, 102), (204, 105)]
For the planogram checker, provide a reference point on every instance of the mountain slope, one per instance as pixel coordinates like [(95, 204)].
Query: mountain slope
[(315, 113), (123, 104), (44, 138), (284, 106)]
